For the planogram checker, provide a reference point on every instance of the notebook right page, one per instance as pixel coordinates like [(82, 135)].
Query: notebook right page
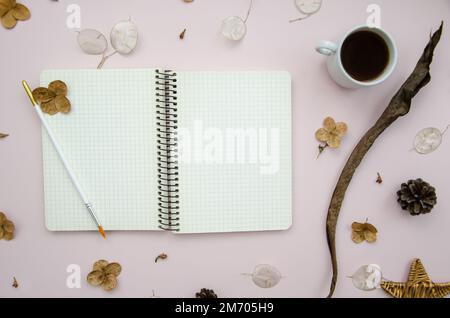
[(234, 151)]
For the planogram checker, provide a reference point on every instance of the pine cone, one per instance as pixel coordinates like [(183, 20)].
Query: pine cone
[(206, 293), (417, 197)]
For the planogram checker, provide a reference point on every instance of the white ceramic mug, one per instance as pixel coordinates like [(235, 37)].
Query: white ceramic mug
[(334, 62)]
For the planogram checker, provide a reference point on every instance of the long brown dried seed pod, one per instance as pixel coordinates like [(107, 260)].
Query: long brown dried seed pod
[(398, 107)]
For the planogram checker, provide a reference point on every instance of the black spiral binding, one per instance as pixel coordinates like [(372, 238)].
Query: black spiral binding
[(167, 125)]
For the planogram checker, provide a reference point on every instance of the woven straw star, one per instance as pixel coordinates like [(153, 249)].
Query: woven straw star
[(419, 285)]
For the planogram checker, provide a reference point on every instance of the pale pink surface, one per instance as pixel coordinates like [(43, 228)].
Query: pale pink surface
[(39, 258)]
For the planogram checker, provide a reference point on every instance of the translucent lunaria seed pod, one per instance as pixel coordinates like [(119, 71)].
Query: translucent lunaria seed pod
[(367, 277), (234, 28), (427, 140), (92, 41), (124, 37), (265, 276), (308, 6)]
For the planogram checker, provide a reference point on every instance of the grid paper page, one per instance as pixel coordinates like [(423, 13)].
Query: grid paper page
[(109, 140), (230, 195)]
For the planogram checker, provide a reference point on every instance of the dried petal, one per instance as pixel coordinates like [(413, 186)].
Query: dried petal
[(8, 236), (8, 226), (3, 9), (9, 4), (8, 20), (113, 268), (341, 129), (92, 41), (43, 95), (124, 36), (62, 104), (2, 217), (21, 12), (3, 135), (2, 232), (329, 124), (96, 278), (322, 135), (334, 141), (357, 237), (358, 227), (100, 265), (58, 87), (49, 107), (370, 237), (371, 228), (110, 282)]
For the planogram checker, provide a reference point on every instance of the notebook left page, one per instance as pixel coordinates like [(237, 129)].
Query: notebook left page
[(109, 140)]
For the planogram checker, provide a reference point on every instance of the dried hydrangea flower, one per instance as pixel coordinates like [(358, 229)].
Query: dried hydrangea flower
[(11, 12), (6, 228), (234, 28), (331, 133), (104, 274), (364, 232), (53, 99)]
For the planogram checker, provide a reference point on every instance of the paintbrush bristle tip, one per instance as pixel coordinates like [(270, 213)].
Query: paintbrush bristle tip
[(102, 232)]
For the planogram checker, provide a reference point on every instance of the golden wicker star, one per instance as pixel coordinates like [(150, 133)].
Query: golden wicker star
[(419, 285)]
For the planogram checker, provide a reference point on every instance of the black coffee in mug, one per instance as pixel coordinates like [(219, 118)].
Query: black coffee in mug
[(365, 55)]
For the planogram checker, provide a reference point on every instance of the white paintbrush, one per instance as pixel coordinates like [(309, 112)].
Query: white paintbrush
[(69, 170)]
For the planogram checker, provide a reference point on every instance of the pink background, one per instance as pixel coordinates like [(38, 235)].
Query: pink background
[(39, 258)]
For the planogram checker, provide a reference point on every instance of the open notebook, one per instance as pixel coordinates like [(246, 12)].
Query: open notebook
[(188, 152)]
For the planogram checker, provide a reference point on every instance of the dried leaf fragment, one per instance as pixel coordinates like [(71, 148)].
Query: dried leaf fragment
[(379, 179), (160, 256), (104, 274), (364, 232), (182, 34), (15, 284)]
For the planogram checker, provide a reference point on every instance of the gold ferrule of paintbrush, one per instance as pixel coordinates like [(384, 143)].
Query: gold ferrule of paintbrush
[(29, 93)]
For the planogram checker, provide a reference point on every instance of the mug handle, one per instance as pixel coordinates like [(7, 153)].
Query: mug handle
[(326, 47)]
